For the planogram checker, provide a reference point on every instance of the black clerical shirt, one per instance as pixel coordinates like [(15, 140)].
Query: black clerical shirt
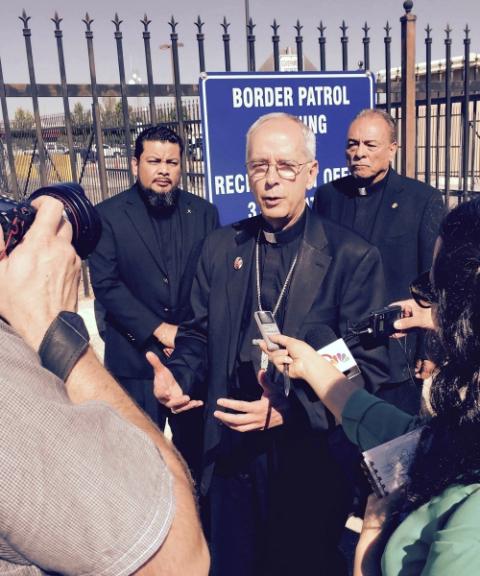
[(367, 205), (277, 252)]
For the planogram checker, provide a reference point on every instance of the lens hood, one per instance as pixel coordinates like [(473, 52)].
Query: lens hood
[(81, 214)]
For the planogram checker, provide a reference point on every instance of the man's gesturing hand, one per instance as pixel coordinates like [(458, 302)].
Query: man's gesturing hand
[(268, 412), (166, 388)]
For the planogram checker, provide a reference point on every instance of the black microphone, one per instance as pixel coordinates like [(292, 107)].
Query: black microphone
[(333, 349), (320, 336)]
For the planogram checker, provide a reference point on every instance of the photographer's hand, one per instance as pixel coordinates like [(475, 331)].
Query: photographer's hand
[(40, 277)]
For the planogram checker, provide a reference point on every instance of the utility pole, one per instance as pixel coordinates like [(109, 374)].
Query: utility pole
[(247, 20)]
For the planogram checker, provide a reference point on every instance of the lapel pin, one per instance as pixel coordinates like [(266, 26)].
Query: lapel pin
[(394, 205), (238, 263), (189, 210)]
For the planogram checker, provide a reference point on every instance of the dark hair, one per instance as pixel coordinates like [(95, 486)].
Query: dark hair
[(449, 450), (158, 133)]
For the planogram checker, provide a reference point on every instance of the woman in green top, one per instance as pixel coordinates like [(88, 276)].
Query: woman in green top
[(432, 527)]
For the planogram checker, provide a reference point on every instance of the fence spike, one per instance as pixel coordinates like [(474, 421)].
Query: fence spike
[(88, 21), (225, 25), (173, 25), (199, 24), (56, 20), (146, 22), (24, 18), (116, 21)]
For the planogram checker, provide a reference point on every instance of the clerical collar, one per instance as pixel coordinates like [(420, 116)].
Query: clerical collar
[(373, 188), (287, 235)]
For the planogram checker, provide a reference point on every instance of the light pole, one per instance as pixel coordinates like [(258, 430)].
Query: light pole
[(178, 91), (169, 47), (247, 20), (135, 79)]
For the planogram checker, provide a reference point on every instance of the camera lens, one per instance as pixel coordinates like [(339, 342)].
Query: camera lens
[(81, 214), (16, 218)]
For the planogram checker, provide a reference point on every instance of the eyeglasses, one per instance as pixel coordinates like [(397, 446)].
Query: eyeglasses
[(422, 291), (288, 170)]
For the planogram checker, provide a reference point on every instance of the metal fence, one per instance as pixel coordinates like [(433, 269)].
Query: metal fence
[(435, 105), (85, 167)]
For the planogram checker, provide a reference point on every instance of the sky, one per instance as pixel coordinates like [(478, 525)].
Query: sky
[(436, 13)]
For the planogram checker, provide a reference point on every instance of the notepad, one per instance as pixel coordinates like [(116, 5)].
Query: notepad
[(387, 465)]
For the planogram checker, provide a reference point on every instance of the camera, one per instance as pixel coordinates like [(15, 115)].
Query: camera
[(17, 217)]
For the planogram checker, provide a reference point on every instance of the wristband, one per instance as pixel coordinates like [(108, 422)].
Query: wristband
[(63, 344)]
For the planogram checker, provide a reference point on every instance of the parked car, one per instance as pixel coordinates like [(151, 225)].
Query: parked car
[(108, 151), (50, 148), (55, 148), (195, 148)]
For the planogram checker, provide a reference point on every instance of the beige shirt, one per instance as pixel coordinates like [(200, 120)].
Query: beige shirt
[(81, 490)]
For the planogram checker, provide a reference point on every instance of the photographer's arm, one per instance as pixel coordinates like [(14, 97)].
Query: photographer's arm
[(37, 281), (184, 550)]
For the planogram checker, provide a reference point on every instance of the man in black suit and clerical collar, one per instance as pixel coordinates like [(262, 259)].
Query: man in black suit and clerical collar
[(274, 501), (400, 216), (143, 266)]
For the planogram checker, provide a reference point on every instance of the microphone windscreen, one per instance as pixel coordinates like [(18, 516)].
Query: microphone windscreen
[(320, 336), (333, 349)]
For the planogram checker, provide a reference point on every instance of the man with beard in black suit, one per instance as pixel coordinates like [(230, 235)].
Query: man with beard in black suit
[(143, 267)]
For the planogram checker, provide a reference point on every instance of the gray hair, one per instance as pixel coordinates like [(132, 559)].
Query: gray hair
[(308, 135), (385, 116)]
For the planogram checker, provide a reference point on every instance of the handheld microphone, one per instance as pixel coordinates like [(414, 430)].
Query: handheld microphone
[(333, 349)]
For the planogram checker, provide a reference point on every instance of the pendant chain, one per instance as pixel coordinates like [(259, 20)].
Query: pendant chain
[(285, 284)]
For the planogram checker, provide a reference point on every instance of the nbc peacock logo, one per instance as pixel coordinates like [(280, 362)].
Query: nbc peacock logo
[(336, 359)]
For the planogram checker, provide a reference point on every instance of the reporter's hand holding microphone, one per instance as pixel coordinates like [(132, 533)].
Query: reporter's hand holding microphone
[(331, 386), (303, 361)]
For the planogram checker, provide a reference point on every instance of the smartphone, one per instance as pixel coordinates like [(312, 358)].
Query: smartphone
[(267, 326)]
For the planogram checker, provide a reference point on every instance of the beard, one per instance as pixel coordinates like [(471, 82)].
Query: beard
[(159, 203)]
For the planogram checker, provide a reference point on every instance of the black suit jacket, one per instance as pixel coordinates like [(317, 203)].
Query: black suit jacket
[(333, 284), (405, 229), (129, 275)]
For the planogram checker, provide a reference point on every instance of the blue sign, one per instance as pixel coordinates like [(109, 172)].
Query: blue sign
[(327, 102)]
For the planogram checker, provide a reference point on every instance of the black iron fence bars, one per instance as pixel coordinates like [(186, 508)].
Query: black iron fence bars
[(435, 104)]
